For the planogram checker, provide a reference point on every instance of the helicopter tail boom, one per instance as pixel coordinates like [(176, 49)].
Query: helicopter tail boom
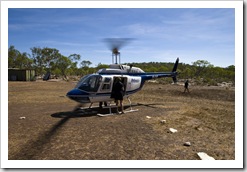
[(172, 74)]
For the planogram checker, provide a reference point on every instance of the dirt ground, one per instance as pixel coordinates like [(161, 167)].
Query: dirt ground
[(205, 117)]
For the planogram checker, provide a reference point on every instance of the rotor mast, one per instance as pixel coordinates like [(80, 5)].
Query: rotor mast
[(116, 56)]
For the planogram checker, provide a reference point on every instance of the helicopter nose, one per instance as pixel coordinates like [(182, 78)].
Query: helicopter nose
[(74, 92), (78, 95)]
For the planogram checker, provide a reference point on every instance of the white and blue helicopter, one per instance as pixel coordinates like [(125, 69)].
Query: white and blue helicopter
[(97, 88)]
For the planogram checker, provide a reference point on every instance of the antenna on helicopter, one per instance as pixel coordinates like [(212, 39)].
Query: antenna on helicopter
[(115, 44)]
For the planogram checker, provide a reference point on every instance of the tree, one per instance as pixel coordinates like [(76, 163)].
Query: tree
[(75, 57), (85, 66), (101, 66), (85, 63), (200, 66), (50, 56), (63, 64), (231, 68), (23, 61), (17, 59), (44, 59), (74, 61), (187, 72), (12, 57), (38, 60)]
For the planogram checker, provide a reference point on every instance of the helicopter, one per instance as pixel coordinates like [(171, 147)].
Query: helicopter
[(97, 87)]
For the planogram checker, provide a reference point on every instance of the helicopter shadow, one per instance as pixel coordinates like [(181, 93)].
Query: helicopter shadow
[(86, 112), (33, 148), (93, 111), (150, 105)]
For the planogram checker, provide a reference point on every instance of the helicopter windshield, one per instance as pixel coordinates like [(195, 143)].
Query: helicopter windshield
[(89, 83)]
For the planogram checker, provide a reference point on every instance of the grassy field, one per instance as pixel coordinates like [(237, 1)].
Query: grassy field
[(205, 117)]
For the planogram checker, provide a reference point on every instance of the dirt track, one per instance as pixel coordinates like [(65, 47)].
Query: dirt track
[(50, 130)]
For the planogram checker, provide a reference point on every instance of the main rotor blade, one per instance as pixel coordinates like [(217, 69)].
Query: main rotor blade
[(115, 44)]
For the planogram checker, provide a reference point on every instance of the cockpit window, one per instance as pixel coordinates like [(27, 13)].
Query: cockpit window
[(81, 81), (106, 85), (89, 83), (107, 79)]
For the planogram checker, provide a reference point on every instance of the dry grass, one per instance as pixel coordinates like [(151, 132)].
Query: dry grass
[(205, 117)]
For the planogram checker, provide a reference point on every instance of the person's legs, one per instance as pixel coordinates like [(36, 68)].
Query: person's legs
[(186, 89), (117, 105), (100, 104), (121, 105)]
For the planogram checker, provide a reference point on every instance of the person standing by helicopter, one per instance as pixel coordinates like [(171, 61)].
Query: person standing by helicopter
[(118, 93)]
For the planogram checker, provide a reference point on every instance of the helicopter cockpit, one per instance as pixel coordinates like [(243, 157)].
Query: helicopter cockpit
[(89, 83)]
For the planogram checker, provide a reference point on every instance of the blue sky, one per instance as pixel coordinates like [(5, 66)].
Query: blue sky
[(160, 34)]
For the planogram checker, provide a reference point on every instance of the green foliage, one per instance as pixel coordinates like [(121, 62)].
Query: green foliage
[(45, 59), (63, 63), (49, 59), (85, 64), (200, 66), (17, 59), (101, 66), (154, 66)]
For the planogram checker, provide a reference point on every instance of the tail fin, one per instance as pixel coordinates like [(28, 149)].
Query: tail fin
[(175, 65), (174, 70)]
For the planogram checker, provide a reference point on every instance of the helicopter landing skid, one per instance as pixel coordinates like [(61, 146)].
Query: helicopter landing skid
[(110, 110)]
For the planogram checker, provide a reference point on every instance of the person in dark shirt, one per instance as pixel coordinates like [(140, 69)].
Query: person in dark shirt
[(186, 86), (118, 93)]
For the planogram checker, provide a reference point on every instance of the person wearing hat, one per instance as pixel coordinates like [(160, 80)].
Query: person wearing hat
[(118, 93)]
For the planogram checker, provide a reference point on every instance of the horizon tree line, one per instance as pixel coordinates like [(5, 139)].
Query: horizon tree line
[(51, 60)]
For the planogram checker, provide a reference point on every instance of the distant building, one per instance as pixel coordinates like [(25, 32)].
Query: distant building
[(15, 74)]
